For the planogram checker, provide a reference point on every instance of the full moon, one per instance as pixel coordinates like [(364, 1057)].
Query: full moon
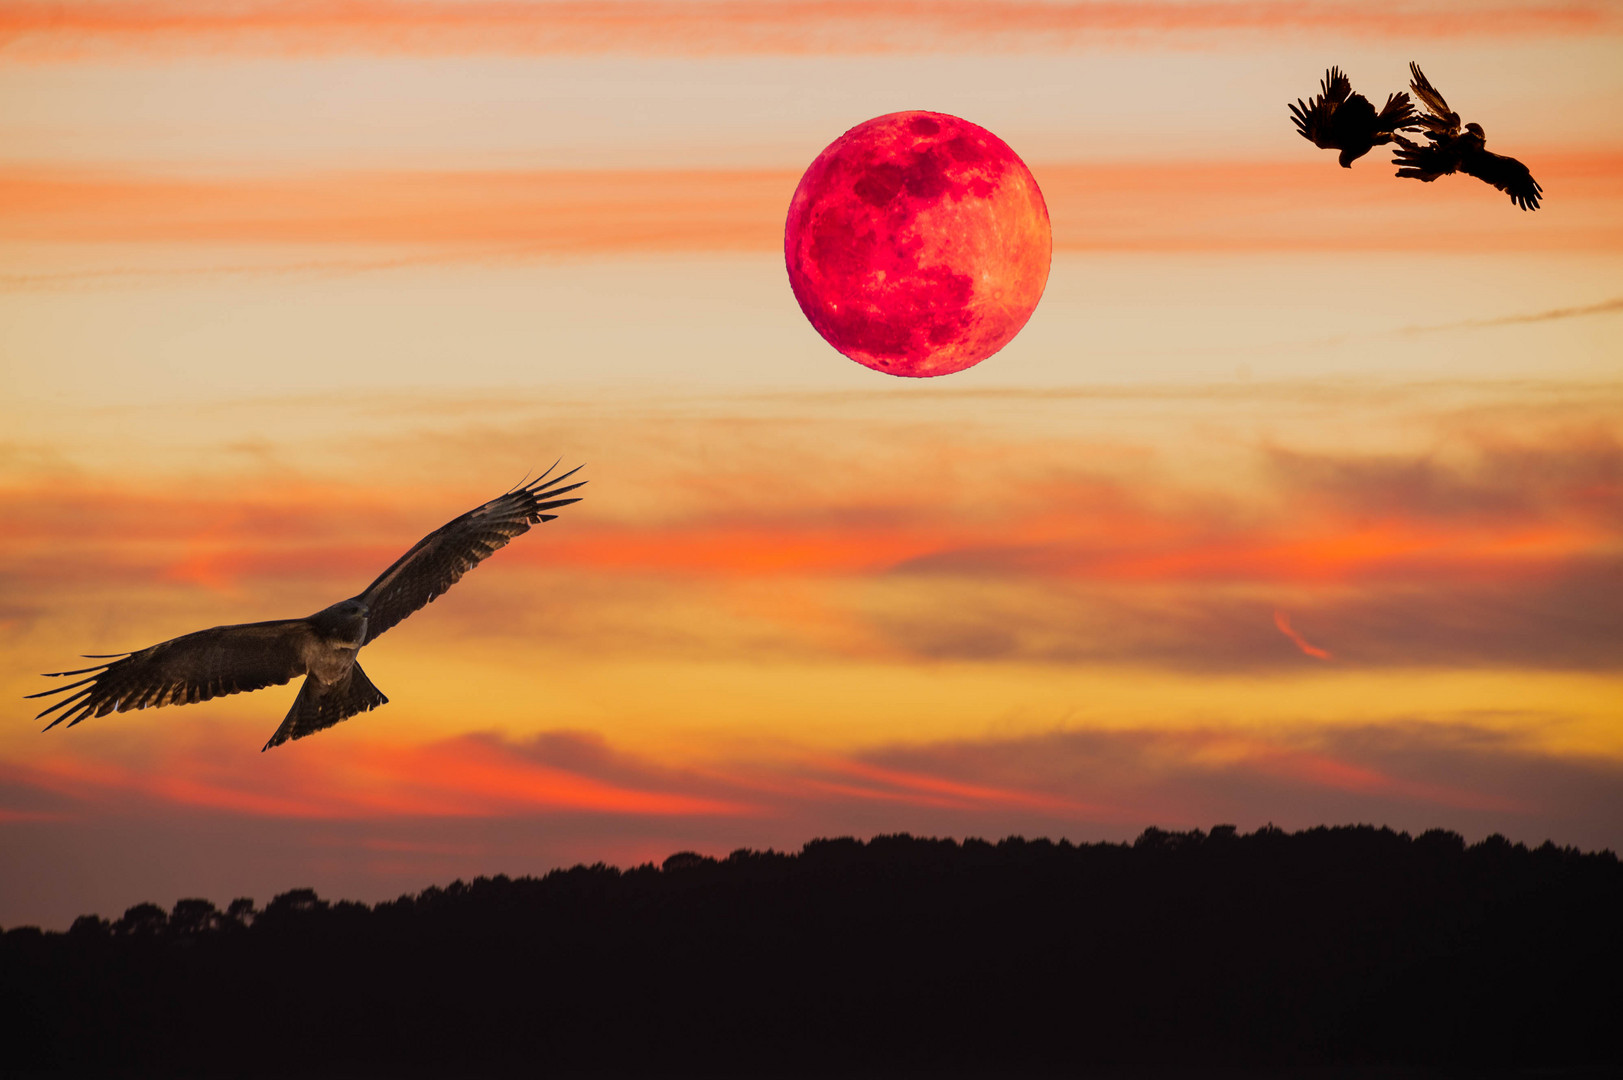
[(918, 244)]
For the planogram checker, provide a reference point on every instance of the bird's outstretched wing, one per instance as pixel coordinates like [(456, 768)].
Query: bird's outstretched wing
[(194, 667), (1335, 86), (1440, 120), (1505, 173), (439, 559), (1422, 161), (1312, 118), (1397, 114)]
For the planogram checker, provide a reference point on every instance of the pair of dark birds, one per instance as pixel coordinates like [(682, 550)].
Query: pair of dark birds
[(1338, 119)]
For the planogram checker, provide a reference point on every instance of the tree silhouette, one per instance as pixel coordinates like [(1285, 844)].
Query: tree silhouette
[(1349, 946)]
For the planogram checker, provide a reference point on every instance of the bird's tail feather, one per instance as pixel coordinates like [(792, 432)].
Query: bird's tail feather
[(319, 706)]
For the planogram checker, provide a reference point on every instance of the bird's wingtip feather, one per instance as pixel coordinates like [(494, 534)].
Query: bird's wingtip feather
[(542, 482)]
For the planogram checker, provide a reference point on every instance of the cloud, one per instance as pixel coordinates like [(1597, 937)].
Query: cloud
[(1605, 307), (81, 29), (474, 214), (1492, 545), (1149, 775), (1571, 474), (1566, 621), (1283, 621), (372, 819), (837, 779), (1297, 204), (467, 776), (1406, 774), (483, 216)]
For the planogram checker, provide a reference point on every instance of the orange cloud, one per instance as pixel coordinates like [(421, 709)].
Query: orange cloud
[(926, 790), (1340, 549), (1500, 552), (1320, 769), (464, 777), (1082, 784), (482, 213), (1186, 545), (1093, 776), (1159, 206), (1354, 519), (53, 31), (1304, 203), (1145, 774), (1283, 621)]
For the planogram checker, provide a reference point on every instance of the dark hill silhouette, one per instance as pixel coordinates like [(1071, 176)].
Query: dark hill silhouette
[(1350, 946)]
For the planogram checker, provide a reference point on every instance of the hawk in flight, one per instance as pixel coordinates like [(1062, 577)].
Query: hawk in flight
[(322, 647), (1338, 119), (1447, 149)]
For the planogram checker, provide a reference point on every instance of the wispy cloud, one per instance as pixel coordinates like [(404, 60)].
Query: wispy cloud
[(460, 217), (1392, 770), (477, 214), (36, 30), (1084, 785), (1376, 519), (472, 776), (1501, 551), (1283, 621), (1396, 772), (1605, 307)]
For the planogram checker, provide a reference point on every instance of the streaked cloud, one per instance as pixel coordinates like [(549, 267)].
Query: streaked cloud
[(1078, 775), (450, 217), (1283, 622), (1605, 307), (1570, 472), (471, 776), (484, 213), (1494, 507), (371, 822), (1493, 541), (1459, 776), (55, 31)]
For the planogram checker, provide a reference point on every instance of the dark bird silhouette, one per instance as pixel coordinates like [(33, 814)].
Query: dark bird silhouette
[(1338, 119), (1448, 149), (323, 647)]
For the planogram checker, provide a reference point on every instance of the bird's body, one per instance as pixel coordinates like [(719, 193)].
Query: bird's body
[(1338, 119), (322, 647), (1449, 148)]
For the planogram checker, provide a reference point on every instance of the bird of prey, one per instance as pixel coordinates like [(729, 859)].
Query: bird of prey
[(321, 647), (1338, 119), (1448, 149)]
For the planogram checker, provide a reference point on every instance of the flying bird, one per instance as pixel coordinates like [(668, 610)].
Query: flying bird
[(322, 647), (1338, 119), (1448, 149)]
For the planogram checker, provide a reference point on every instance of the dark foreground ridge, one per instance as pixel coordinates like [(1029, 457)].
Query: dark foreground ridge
[(1348, 946)]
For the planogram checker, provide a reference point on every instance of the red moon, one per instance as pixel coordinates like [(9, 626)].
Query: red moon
[(918, 244)]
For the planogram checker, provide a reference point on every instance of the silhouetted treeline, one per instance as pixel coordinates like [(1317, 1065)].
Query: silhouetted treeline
[(1355, 946)]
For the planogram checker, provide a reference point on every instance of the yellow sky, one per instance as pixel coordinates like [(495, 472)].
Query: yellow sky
[(280, 295)]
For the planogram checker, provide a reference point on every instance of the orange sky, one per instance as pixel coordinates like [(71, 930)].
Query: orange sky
[(1179, 206), (49, 31), (1300, 498)]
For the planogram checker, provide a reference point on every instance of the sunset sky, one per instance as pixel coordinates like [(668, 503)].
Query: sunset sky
[(1299, 499)]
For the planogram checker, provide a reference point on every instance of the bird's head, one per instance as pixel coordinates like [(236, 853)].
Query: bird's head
[(344, 621), (1476, 130), (1347, 157)]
